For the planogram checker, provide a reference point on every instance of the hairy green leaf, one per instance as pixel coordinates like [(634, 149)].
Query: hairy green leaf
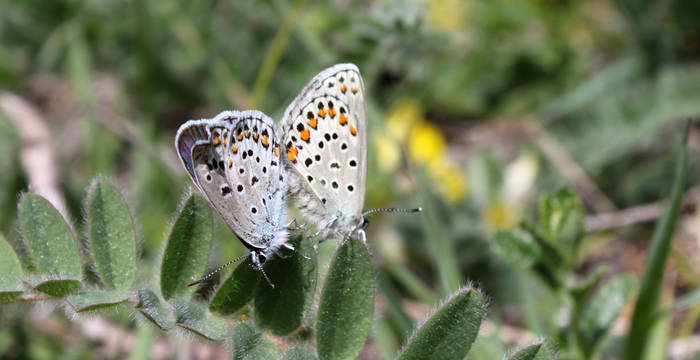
[(10, 272), (299, 352), (96, 299), (248, 344), (154, 310), (347, 303), (194, 318), (50, 242), (646, 307), (537, 351), (112, 236), (281, 309), (58, 288), (603, 309), (237, 290), (562, 220), (517, 247), (185, 257), (450, 331)]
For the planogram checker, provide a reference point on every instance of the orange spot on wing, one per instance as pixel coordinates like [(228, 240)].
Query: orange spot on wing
[(331, 112), (304, 134), (354, 90), (292, 154), (343, 89), (277, 151), (322, 113), (342, 119), (353, 131), (240, 137), (217, 141), (264, 141), (234, 149), (256, 136), (230, 163), (313, 123), (247, 134)]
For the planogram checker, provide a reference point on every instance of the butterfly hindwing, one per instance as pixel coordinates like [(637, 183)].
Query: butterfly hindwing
[(325, 143)]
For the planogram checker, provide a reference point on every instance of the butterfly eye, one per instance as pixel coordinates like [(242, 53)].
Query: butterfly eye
[(262, 259)]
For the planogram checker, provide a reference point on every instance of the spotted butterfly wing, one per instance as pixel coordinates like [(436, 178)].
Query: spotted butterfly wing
[(234, 159), (325, 143)]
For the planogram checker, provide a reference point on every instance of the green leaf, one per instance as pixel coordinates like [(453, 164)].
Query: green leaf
[(281, 309), (50, 242), (347, 303), (450, 331), (537, 351), (583, 289), (112, 236), (185, 257), (647, 301), (299, 352), (194, 318), (96, 299), (10, 272), (143, 341), (517, 247), (249, 344), (58, 288), (155, 310), (603, 309), (237, 290), (562, 220)]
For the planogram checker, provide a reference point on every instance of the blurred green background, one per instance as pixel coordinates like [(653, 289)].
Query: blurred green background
[(475, 108)]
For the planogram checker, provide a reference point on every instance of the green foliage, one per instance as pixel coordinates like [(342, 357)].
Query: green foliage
[(112, 236), (237, 290), (186, 252), (57, 260), (647, 308), (10, 286), (450, 331), (96, 299), (248, 344), (281, 309), (297, 352), (603, 309), (536, 351), (153, 309), (195, 318), (347, 303)]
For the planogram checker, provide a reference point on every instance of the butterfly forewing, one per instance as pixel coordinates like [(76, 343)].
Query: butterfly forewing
[(234, 160), (325, 142)]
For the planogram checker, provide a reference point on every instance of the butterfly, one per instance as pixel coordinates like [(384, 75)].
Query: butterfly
[(325, 142), (234, 160)]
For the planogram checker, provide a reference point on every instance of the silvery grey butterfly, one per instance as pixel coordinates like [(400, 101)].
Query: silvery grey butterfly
[(325, 141), (234, 160)]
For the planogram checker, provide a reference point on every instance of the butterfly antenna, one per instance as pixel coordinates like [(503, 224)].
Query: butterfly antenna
[(265, 275), (394, 210), (207, 276)]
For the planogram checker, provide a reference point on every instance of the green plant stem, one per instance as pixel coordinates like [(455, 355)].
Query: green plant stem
[(273, 55), (646, 308)]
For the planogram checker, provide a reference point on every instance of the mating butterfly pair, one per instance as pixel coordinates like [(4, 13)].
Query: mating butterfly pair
[(246, 168)]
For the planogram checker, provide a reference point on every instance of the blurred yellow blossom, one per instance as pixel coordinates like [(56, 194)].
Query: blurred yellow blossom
[(449, 178), (403, 115), (499, 216), (426, 143), (388, 153), (447, 14)]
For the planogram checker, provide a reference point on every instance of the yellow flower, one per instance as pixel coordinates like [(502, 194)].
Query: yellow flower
[(403, 115), (452, 184), (426, 143), (446, 14), (499, 216), (387, 152)]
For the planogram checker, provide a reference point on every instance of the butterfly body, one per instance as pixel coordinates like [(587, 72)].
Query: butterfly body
[(325, 142)]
